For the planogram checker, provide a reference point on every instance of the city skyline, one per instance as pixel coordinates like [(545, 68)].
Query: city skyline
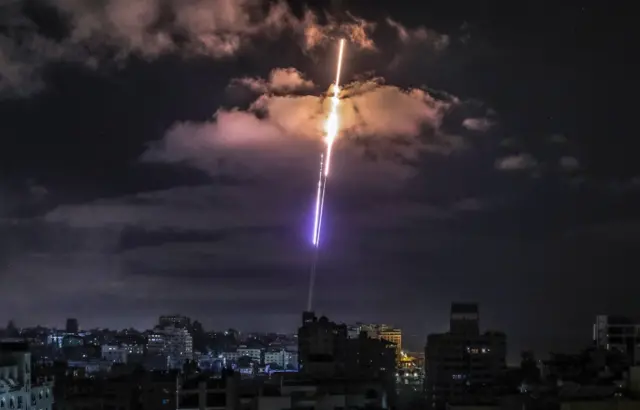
[(152, 166)]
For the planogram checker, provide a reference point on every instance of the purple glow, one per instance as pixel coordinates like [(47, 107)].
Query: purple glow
[(316, 223)]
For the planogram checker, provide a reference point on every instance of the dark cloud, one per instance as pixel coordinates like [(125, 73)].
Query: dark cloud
[(93, 33), (516, 162)]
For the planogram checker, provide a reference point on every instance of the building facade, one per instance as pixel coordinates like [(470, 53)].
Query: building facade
[(619, 333), (378, 331), (254, 353), (321, 346), (174, 321), (463, 364), (19, 389)]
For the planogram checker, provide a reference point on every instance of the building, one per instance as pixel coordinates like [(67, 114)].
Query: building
[(178, 321), (114, 354), (378, 331), (279, 357), (410, 371), (321, 346), (120, 353), (173, 343), (333, 394), (374, 360), (19, 387), (284, 391), (230, 356), (391, 335), (179, 346), (254, 353), (327, 354), (353, 331), (156, 342), (618, 333), (209, 393), (159, 391), (368, 358), (72, 326), (463, 364)]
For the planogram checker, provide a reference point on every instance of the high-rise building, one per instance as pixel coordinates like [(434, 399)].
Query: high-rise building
[(463, 364), (174, 320), (174, 343), (619, 333), (321, 346), (72, 326), (464, 319), (179, 345), (156, 342)]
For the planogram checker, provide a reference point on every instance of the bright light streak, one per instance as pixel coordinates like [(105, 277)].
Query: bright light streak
[(332, 124), (331, 128), (318, 198)]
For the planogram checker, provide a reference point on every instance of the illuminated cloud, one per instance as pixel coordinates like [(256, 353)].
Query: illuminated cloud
[(382, 123), (477, 124), (358, 31), (104, 30), (516, 162), (280, 80), (419, 35), (206, 27), (118, 29)]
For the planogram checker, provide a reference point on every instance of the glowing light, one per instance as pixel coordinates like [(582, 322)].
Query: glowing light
[(318, 199), (331, 128)]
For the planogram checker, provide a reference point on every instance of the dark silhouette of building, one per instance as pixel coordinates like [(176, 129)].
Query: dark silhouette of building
[(464, 318), (463, 365), (72, 326), (178, 321), (11, 331), (618, 333), (322, 346), (372, 359)]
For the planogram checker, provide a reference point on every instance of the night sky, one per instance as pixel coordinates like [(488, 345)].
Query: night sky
[(161, 156)]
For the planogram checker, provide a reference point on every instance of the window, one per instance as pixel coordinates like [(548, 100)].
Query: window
[(2, 404)]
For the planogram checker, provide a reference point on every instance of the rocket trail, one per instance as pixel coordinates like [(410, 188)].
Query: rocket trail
[(331, 132)]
